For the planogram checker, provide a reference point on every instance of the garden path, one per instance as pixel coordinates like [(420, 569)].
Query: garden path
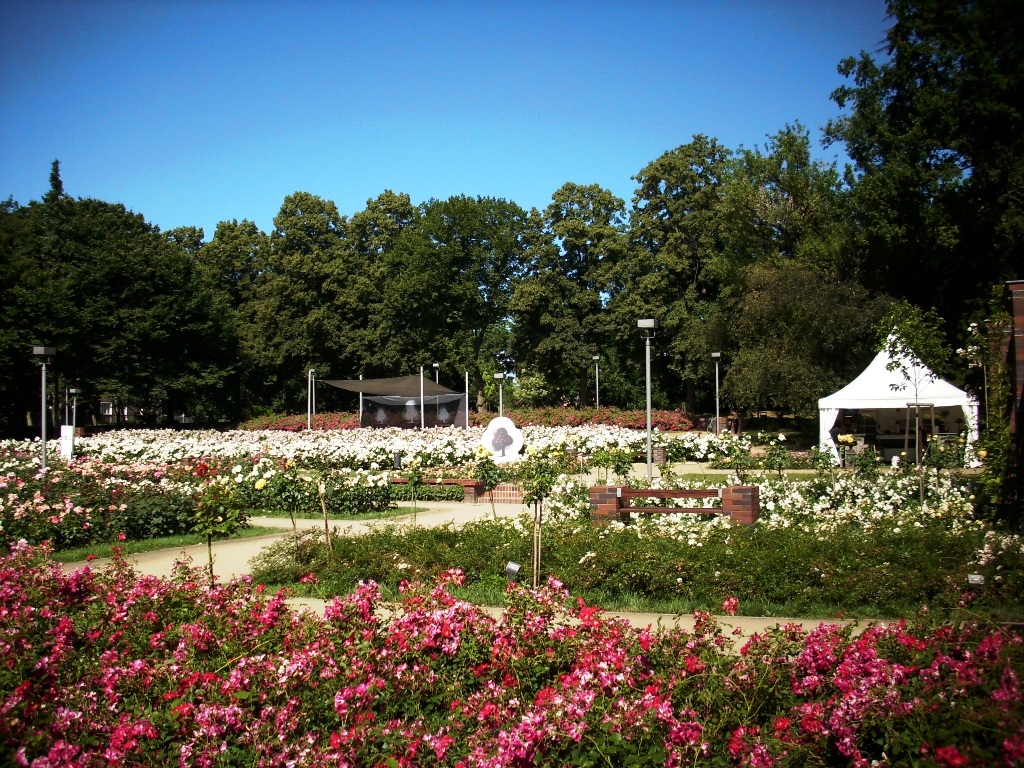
[(231, 559)]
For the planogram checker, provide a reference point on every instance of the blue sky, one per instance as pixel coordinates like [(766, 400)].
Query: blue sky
[(192, 113)]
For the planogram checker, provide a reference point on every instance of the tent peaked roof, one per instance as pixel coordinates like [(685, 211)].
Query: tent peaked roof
[(878, 387), (401, 386)]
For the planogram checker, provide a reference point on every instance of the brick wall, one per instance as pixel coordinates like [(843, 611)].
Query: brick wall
[(503, 493)]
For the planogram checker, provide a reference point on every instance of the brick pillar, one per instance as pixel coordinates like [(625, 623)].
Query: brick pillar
[(742, 503), (472, 490), (604, 503)]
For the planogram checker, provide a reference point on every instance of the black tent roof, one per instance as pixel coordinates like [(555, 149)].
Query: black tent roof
[(400, 386)]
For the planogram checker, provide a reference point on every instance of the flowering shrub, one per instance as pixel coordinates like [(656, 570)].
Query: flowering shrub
[(669, 421), (866, 547), (85, 500), (298, 422), (108, 668)]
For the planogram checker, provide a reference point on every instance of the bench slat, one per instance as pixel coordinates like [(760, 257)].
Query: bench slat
[(667, 493), (674, 510)]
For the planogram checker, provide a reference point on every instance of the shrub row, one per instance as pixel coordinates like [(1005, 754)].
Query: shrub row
[(178, 673), (876, 573), (666, 421)]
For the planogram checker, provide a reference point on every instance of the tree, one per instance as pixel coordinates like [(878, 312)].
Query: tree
[(360, 278), (670, 271), (557, 306), (936, 133), (797, 334), (476, 246), (234, 258), (288, 322), (19, 311), (779, 205), (790, 315), (122, 303)]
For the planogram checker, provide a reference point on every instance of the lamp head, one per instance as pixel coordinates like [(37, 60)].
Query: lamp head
[(647, 323)]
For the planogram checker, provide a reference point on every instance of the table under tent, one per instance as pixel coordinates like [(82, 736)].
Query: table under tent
[(406, 401), (896, 410)]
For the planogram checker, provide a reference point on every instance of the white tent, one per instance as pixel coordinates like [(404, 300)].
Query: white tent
[(909, 385)]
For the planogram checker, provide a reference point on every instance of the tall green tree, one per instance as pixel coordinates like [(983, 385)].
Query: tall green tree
[(781, 205), (796, 334), (20, 311), (936, 134), (235, 257), (791, 317), (676, 232), (477, 249), (558, 305), (362, 277), (124, 305), (288, 325)]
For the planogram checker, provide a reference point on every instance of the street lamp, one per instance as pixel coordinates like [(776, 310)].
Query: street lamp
[(310, 398), (437, 372), (597, 380), (649, 327), (74, 393), (716, 356), (44, 354), (500, 377)]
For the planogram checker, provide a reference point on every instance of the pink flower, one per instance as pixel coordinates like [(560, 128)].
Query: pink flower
[(731, 605), (950, 756)]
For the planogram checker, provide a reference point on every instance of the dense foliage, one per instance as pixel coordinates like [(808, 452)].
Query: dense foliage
[(107, 668)]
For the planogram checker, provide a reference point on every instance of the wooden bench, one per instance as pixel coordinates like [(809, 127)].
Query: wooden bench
[(741, 503), (628, 494)]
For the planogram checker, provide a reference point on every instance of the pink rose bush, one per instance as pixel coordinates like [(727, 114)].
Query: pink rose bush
[(108, 668)]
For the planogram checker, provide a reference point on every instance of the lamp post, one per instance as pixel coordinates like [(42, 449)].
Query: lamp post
[(73, 392), (718, 426), (44, 354), (310, 398), (648, 326), (597, 381), (500, 378), (437, 373)]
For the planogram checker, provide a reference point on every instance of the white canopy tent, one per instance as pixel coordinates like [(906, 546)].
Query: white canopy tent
[(910, 386)]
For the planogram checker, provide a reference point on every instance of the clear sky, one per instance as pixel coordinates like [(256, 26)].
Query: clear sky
[(193, 112)]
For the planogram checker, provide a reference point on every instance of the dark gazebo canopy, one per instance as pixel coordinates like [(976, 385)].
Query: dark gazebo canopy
[(400, 386), (405, 401)]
